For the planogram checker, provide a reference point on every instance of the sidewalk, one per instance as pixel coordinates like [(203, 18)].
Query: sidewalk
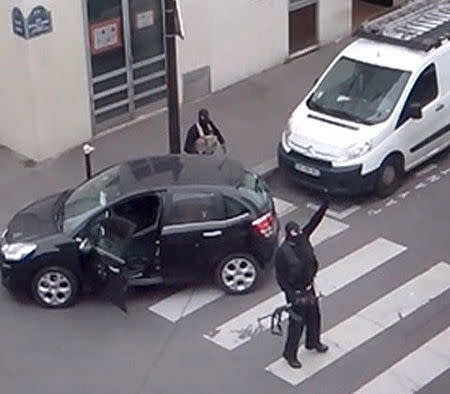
[(251, 114)]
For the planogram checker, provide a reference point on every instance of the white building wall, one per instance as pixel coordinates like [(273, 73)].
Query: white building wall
[(334, 20), (16, 96), (58, 68), (44, 91), (236, 38)]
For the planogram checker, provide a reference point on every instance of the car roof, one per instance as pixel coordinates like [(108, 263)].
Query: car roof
[(161, 172), (386, 55)]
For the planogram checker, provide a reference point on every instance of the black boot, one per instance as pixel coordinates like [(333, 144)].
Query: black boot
[(292, 361), (320, 348)]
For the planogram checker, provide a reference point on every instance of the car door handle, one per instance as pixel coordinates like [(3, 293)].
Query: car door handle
[(440, 107), (210, 234)]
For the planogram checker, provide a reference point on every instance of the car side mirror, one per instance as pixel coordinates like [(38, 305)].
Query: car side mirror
[(414, 111), (85, 246)]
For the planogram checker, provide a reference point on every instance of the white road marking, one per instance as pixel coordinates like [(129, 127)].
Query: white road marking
[(433, 178), (244, 327), (282, 207), (373, 212), (426, 170), (391, 202), (184, 302), (337, 215), (445, 172), (187, 301), (420, 185), (404, 194), (368, 323), (414, 371), (356, 265)]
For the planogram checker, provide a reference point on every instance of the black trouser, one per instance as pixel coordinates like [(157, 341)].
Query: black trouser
[(308, 315)]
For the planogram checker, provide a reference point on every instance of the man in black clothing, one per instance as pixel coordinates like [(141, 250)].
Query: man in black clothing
[(204, 137), (296, 266)]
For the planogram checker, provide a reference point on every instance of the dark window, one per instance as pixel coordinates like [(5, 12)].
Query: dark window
[(255, 190), (194, 207), (424, 91), (233, 208), (141, 211)]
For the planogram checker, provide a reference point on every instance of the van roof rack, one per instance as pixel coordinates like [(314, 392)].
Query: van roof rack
[(419, 24)]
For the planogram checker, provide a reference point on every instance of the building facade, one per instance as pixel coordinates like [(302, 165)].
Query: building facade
[(74, 68)]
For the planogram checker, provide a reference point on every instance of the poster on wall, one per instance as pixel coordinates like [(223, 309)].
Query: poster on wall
[(105, 36), (144, 19), (38, 22)]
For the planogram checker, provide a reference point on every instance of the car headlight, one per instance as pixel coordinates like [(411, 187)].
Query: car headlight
[(18, 251), (359, 150), (285, 138)]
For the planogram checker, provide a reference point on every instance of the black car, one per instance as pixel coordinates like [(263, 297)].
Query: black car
[(192, 217)]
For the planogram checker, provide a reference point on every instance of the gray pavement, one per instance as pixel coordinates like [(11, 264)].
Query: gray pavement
[(93, 348)]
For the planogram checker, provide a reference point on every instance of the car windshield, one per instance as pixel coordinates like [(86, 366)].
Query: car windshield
[(359, 92), (253, 188), (90, 196)]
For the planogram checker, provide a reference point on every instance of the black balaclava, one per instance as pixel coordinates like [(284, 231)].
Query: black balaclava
[(292, 227), (203, 117)]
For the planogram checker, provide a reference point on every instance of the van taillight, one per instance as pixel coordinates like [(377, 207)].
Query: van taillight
[(264, 225)]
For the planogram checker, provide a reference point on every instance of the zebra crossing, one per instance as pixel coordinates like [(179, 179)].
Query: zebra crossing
[(417, 369)]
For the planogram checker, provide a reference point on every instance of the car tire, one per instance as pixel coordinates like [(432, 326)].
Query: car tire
[(238, 274), (389, 177), (55, 287)]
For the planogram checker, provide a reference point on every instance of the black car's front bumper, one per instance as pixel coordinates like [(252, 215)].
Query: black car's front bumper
[(338, 180), (15, 276)]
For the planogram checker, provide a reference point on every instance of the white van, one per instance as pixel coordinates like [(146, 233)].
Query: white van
[(380, 109)]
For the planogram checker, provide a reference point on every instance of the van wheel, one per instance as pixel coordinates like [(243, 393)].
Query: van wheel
[(238, 274), (55, 287), (389, 177)]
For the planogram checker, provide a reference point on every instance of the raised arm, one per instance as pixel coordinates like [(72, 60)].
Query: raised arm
[(309, 228), (217, 133)]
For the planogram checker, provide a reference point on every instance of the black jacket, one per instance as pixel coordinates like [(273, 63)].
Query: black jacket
[(296, 265), (193, 135)]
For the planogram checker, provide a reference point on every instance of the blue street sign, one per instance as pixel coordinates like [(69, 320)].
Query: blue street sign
[(38, 22)]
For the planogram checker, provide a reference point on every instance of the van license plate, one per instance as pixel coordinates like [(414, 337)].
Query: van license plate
[(307, 170)]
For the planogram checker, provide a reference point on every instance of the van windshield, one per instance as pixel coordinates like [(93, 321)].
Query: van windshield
[(359, 92)]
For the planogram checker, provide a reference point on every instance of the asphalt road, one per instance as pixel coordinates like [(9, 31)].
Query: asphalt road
[(194, 340)]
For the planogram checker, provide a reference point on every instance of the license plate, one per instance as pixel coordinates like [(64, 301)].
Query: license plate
[(307, 170)]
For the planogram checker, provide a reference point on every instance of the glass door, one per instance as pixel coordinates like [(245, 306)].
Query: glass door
[(127, 58), (147, 51)]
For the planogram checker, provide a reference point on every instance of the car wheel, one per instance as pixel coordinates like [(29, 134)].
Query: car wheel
[(55, 287), (389, 177), (238, 274)]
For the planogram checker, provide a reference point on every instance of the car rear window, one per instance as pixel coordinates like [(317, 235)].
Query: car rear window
[(233, 208), (254, 189)]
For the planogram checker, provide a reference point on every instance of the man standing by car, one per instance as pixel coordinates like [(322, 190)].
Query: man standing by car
[(204, 137), (296, 266)]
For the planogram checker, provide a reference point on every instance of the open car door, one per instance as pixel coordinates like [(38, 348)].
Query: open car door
[(106, 256)]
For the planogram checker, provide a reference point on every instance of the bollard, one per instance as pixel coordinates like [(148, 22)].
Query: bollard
[(88, 149)]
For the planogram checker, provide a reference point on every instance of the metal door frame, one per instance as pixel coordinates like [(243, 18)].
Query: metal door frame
[(128, 70)]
